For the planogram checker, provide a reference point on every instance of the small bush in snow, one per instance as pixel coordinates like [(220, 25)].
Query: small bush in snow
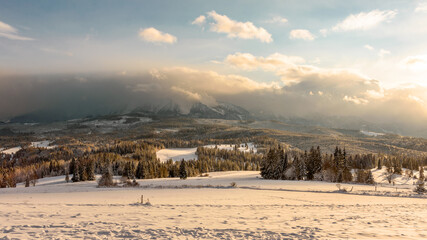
[(343, 189), (233, 184)]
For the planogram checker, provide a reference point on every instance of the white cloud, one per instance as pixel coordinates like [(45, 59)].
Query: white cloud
[(196, 81), (416, 99), (234, 29), (277, 19), (355, 100), (153, 35), (383, 52), (190, 95), (422, 7), (301, 34), (291, 69), (200, 20), (273, 62), (10, 32), (364, 20), (369, 47), (418, 63), (374, 94)]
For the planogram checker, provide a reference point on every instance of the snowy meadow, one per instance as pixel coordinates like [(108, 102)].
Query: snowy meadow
[(209, 207)]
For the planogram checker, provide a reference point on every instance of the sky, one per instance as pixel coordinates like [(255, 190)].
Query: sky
[(365, 58)]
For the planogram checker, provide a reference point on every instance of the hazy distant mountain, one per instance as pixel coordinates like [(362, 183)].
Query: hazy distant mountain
[(198, 110), (220, 111)]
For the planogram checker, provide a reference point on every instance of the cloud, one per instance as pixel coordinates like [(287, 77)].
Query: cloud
[(248, 61), (421, 7), (277, 19), (235, 29), (383, 52), (10, 32), (355, 100), (198, 81), (153, 35), (417, 63), (342, 92), (200, 20), (316, 92), (301, 34), (290, 69), (369, 47), (364, 20)]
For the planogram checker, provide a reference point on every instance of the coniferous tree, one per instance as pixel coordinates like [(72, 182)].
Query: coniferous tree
[(72, 166), (34, 178), (266, 165), (106, 179), (420, 184), (299, 168), (283, 164), (140, 170), (314, 162), (76, 174), (82, 171), (183, 173), (370, 178), (397, 166), (90, 170), (67, 177), (380, 163), (27, 181), (347, 176)]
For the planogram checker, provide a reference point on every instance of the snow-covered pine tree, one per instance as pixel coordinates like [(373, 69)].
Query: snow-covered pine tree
[(283, 164), (106, 179)]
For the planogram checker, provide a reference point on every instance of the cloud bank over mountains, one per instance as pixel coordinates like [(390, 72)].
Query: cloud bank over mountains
[(305, 91)]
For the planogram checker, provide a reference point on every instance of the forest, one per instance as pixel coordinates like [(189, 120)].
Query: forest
[(138, 160)]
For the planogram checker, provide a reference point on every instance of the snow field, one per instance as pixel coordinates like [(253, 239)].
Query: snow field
[(177, 154), (255, 209)]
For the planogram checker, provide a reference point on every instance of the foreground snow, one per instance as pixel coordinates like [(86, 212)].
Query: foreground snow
[(208, 208)]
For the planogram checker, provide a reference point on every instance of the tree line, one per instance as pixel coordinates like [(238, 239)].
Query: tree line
[(337, 167)]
